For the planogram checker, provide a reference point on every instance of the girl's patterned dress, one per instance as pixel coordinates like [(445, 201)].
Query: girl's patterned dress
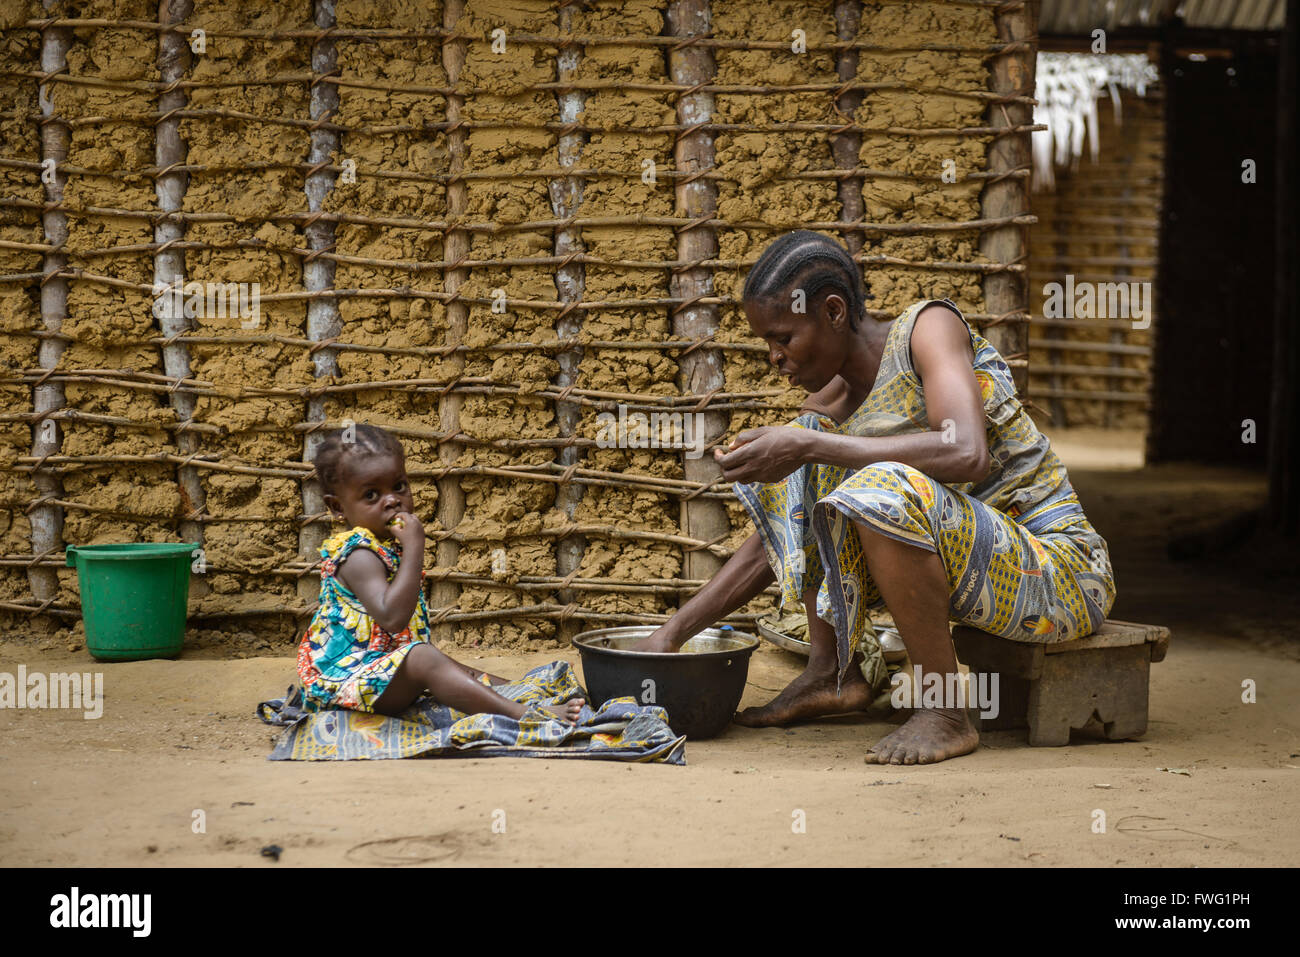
[(1021, 559), (345, 660)]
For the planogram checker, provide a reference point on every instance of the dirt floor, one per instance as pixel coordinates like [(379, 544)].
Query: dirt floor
[(1212, 783)]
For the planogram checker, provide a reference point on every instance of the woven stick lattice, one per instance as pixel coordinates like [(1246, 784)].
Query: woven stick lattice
[(191, 440)]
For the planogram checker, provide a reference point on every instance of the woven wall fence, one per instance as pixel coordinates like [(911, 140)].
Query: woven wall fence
[(481, 225), (1100, 225)]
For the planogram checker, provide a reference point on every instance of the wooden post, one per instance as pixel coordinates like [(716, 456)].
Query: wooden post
[(451, 497), (1284, 446), (1113, 410), (700, 372), (1056, 407), (174, 60), (1006, 293), (570, 282), (846, 146), (323, 319), (47, 520)]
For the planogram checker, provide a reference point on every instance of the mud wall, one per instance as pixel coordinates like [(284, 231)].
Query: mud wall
[(20, 314), (503, 220), (759, 183), (508, 141), (251, 527), (399, 153), (1099, 225), (109, 321), (619, 142), (928, 174)]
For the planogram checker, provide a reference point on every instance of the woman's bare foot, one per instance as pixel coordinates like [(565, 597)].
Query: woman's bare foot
[(929, 735), (568, 712), (811, 695)]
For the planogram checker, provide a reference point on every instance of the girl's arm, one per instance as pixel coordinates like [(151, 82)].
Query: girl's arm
[(390, 604)]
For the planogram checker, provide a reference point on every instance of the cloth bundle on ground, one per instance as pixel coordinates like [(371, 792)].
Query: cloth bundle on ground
[(621, 730)]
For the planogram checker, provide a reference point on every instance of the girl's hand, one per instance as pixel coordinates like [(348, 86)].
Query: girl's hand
[(408, 530), (767, 454)]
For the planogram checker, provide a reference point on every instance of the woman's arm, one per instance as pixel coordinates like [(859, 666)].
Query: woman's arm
[(743, 576), (954, 450)]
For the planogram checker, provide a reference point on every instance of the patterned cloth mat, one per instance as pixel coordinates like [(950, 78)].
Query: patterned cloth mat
[(621, 730)]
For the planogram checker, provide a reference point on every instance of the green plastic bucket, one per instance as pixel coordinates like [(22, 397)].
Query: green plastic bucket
[(134, 598)]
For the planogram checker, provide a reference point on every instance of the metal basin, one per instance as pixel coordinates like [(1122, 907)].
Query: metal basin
[(699, 686)]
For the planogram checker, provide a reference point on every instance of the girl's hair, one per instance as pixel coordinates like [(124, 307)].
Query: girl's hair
[(332, 454), (809, 261)]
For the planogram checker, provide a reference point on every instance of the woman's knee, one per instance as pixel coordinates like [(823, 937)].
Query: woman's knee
[(895, 470), (888, 483), (887, 495)]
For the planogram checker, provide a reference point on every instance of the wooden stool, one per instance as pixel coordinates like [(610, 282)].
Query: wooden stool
[(1097, 680)]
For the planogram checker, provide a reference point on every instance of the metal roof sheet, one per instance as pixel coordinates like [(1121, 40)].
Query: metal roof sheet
[(1083, 16)]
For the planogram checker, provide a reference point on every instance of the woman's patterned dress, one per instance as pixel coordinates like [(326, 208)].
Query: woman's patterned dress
[(1021, 559)]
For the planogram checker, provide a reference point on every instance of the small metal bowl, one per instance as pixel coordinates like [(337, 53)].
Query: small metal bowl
[(699, 686), (892, 648)]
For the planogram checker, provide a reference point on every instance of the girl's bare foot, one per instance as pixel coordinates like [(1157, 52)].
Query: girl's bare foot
[(568, 712), (929, 735)]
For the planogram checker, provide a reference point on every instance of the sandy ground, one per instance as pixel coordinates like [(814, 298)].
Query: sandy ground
[(179, 736)]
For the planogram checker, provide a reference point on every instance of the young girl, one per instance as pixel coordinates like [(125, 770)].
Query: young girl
[(369, 646)]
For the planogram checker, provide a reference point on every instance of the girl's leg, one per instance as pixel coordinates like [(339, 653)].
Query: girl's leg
[(915, 587), (475, 673), (813, 693), (427, 668)]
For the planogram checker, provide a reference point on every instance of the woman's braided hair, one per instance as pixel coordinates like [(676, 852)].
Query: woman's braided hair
[(809, 261), (334, 452)]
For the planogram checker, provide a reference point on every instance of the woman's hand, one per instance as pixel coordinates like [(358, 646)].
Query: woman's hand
[(662, 639), (742, 578), (767, 454)]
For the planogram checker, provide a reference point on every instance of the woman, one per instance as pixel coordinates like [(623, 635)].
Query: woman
[(912, 477)]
